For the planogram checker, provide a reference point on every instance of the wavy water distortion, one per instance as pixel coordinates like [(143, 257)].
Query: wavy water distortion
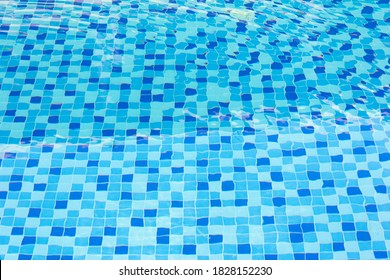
[(194, 129)]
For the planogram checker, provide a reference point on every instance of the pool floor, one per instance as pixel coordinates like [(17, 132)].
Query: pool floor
[(194, 129)]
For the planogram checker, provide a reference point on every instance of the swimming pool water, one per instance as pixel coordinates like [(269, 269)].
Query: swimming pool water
[(194, 129)]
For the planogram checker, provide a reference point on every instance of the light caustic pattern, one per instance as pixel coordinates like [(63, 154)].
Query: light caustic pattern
[(194, 129)]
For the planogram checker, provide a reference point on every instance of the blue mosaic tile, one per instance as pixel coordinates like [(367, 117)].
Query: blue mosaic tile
[(178, 129)]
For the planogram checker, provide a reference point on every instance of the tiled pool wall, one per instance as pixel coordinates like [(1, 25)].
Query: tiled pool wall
[(194, 130)]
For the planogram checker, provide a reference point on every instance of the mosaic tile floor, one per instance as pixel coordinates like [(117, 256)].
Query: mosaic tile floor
[(194, 129)]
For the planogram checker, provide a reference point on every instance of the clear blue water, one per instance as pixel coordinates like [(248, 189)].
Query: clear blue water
[(194, 129)]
